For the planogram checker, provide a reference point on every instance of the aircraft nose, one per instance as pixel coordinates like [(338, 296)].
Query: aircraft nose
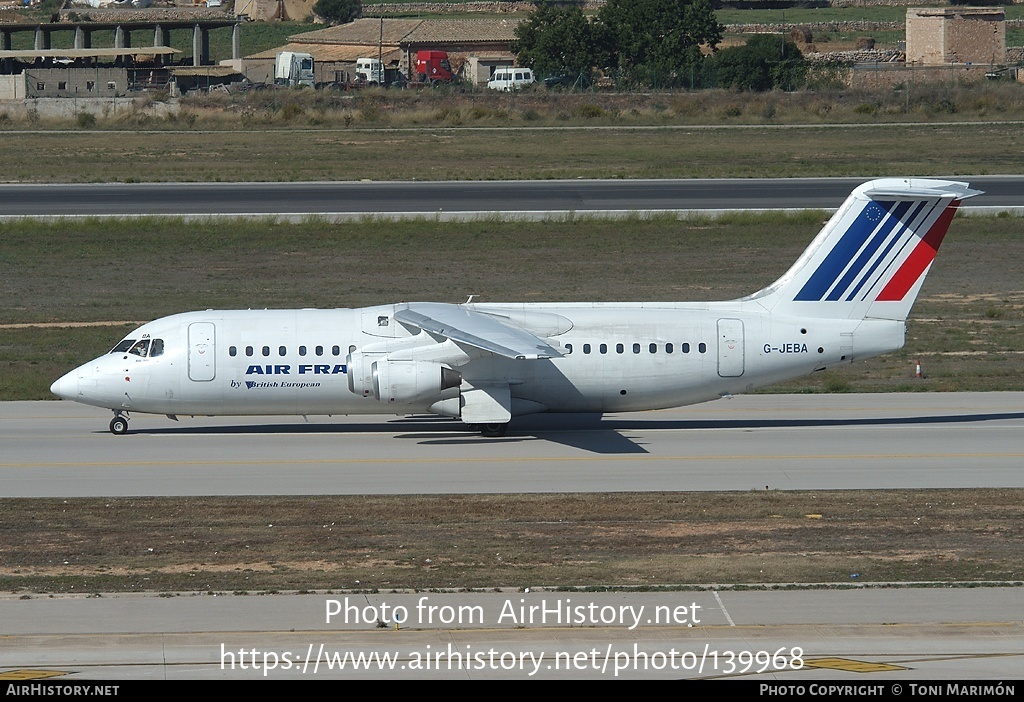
[(66, 386)]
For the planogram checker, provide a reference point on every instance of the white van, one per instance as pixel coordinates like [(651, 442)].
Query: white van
[(509, 78)]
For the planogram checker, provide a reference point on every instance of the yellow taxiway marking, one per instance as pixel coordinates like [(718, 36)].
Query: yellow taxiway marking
[(27, 674), (850, 666)]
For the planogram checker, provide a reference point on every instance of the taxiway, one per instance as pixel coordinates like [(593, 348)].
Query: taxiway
[(790, 442)]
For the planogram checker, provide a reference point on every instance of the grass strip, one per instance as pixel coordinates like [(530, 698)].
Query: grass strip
[(966, 328), (642, 540)]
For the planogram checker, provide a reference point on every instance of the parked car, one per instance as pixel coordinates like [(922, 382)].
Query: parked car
[(568, 80), (510, 78)]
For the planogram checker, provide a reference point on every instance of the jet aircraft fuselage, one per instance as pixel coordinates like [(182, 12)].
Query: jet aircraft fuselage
[(846, 298)]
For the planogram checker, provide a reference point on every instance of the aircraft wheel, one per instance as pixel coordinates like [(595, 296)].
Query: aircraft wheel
[(119, 426), (494, 429)]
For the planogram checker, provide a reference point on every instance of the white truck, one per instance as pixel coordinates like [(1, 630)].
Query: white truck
[(293, 69), (370, 71)]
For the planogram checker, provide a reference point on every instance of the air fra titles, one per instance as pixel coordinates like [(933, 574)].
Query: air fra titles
[(304, 369)]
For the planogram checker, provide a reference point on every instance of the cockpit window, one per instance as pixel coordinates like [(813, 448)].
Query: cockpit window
[(143, 347)]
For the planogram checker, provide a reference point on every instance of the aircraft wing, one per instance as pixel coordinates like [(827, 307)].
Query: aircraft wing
[(483, 331)]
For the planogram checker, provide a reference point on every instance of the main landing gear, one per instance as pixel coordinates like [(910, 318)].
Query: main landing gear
[(493, 430), (119, 424), (489, 430)]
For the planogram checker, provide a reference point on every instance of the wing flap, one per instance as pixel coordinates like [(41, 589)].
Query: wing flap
[(486, 404), (476, 329)]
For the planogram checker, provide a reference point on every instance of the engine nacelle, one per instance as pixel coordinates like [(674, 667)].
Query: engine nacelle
[(411, 381), (359, 368)]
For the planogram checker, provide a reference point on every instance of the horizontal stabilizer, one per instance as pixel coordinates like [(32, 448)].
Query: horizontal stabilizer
[(917, 189)]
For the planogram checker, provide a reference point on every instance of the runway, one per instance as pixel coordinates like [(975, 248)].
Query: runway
[(780, 442), (458, 199)]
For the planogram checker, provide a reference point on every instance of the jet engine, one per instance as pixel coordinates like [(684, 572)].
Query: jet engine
[(359, 368), (388, 380), (410, 381)]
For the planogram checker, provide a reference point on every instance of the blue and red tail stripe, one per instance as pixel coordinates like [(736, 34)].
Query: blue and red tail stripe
[(922, 210), (870, 246), (919, 259)]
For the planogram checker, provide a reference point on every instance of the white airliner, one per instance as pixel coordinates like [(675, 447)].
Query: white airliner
[(846, 298)]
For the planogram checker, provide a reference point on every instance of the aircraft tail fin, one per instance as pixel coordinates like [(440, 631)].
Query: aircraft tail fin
[(871, 257)]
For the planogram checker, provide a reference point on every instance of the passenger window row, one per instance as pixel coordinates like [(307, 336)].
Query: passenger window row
[(283, 351), (639, 348)]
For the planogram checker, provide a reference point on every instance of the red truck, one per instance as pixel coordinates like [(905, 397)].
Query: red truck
[(433, 67)]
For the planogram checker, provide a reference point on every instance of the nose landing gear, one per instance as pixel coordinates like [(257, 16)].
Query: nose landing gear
[(119, 424)]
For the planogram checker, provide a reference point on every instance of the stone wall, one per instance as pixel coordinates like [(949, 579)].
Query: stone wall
[(852, 26), (62, 108), (890, 75), (857, 56), (149, 14), (883, 3), (440, 8)]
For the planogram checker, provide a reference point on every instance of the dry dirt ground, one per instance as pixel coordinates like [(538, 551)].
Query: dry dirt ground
[(644, 540)]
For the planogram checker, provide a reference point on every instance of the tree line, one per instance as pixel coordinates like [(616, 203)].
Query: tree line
[(653, 43)]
